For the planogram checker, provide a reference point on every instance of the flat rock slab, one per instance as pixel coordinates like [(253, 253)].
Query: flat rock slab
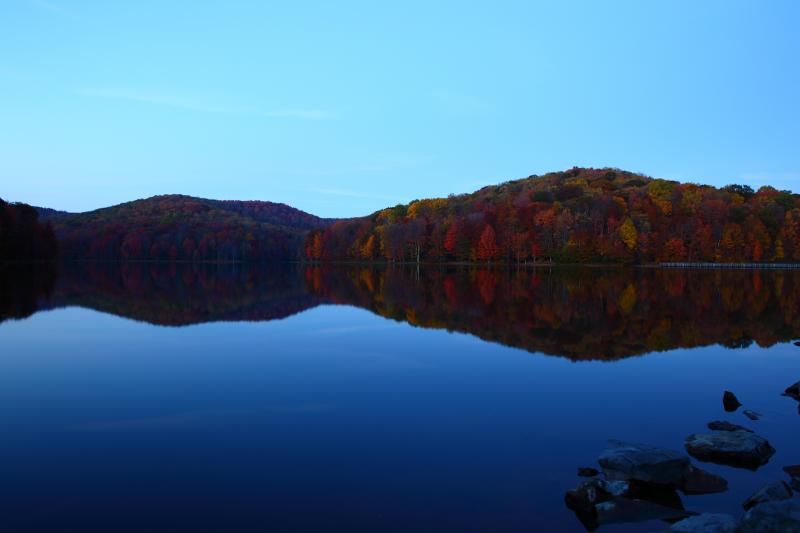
[(620, 510), (733, 448), (772, 492), (699, 481), (721, 425), (772, 517), (752, 415), (627, 460), (705, 523)]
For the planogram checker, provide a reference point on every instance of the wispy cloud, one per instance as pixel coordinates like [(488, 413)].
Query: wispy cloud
[(203, 105)]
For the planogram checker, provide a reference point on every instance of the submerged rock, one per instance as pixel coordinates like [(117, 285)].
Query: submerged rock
[(597, 502), (620, 510), (705, 523), (772, 517), (583, 499), (752, 415), (699, 481), (772, 492), (626, 460), (733, 448), (730, 402), (792, 470), (793, 391), (721, 425), (587, 471)]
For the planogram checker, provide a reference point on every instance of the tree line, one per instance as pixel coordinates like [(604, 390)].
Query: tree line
[(583, 215), (183, 228), (22, 236)]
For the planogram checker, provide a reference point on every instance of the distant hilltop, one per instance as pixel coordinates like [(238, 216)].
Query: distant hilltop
[(582, 215)]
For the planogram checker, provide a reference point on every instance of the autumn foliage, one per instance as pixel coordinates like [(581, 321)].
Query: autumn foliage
[(582, 215), (580, 313), (175, 227)]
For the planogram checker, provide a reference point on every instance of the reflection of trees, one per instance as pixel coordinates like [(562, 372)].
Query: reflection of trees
[(23, 287), (579, 313), (175, 294)]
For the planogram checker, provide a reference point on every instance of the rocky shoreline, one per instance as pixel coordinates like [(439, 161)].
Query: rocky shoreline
[(639, 482)]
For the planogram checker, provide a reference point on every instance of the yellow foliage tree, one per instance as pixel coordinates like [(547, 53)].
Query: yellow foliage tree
[(628, 233)]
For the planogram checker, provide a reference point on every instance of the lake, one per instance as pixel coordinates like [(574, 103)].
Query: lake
[(192, 397)]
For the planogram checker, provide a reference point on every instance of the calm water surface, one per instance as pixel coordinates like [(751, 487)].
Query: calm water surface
[(231, 398)]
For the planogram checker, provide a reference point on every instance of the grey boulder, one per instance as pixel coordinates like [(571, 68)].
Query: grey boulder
[(772, 492), (642, 462), (699, 481), (705, 523), (772, 517), (734, 448)]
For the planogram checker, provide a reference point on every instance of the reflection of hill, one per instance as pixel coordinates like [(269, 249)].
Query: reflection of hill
[(22, 287), (177, 294), (582, 314)]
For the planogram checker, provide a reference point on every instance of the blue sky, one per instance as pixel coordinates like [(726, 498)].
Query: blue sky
[(341, 108)]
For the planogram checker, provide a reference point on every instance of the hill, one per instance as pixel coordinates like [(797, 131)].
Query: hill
[(23, 236), (177, 227), (582, 215)]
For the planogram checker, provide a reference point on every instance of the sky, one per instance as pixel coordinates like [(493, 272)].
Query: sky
[(343, 108)]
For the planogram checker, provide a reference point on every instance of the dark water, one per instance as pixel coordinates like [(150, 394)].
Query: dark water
[(230, 398)]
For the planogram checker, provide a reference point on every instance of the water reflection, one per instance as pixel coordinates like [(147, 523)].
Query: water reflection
[(579, 313)]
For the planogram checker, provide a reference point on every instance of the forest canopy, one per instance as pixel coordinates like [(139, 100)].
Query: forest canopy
[(22, 236), (582, 215)]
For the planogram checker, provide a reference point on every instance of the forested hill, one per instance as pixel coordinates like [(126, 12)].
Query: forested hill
[(582, 215), (176, 227), (23, 237)]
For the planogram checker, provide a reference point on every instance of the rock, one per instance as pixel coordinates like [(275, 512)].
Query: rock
[(793, 391), (705, 523), (699, 481), (588, 494), (752, 415), (772, 492), (597, 501), (772, 517), (587, 471), (593, 491), (730, 402), (797, 343), (792, 470), (795, 484), (720, 425), (732, 448), (619, 510), (626, 461)]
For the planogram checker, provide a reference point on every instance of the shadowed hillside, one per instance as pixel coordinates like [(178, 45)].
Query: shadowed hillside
[(176, 227)]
